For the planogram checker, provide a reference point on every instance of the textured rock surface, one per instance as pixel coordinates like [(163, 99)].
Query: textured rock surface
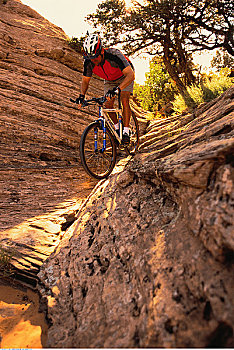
[(41, 180), (148, 262)]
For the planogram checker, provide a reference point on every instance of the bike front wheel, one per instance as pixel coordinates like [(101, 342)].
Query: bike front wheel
[(98, 157)]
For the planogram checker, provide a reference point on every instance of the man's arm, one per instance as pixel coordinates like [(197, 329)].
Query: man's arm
[(129, 74), (84, 84), (83, 89), (129, 78)]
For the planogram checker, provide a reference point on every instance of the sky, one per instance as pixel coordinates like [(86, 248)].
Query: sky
[(70, 16)]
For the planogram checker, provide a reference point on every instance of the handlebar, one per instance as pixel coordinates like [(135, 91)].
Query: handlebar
[(96, 100), (99, 100)]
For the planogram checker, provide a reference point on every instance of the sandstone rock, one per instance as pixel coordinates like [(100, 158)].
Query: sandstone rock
[(146, 259), (148, 263)]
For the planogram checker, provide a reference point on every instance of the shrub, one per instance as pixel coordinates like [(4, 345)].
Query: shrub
[(5, 262), (210, 88), (218, 84)]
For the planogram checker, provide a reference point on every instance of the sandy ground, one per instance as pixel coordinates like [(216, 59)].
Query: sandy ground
[(21, 323)]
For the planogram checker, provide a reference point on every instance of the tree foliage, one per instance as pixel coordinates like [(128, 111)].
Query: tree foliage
[(171, 28), (222, 60), (76, 44), (158, 88)]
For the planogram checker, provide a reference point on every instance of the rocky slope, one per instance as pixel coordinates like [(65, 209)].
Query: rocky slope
[(40, 174), (149, 261), (144, 261)]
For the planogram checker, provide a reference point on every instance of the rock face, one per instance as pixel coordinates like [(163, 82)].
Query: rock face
[(148, 262), (42, 182)]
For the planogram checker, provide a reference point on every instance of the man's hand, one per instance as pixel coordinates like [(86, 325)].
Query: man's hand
[(112, 93), (80, 100)]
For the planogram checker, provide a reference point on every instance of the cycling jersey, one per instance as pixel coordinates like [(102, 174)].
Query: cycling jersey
[(112, 66)]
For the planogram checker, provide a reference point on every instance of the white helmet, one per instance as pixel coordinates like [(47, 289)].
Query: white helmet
[(92, 46)]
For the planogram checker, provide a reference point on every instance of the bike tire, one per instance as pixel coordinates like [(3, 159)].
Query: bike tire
[(134, 135), (98, 164)]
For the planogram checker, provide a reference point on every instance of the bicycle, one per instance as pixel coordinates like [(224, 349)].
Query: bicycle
[(100, 140)]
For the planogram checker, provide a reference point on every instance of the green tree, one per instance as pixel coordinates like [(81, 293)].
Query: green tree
[(158, 88)]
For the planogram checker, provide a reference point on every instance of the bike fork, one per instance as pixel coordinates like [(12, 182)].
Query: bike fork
[(103, 123), (120, 126), (96, 139)]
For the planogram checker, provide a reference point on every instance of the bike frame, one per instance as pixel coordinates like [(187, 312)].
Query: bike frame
[(105, 119)]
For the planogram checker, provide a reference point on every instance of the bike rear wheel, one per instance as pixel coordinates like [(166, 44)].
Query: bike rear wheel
[(134, 135), (97, 161)]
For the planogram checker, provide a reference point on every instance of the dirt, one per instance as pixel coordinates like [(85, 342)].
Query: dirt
[(22, 325)]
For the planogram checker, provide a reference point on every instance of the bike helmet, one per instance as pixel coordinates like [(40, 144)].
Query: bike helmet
[(92, 46)]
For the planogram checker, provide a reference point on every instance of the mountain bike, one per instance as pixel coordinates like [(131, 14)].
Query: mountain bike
[(100, 140)]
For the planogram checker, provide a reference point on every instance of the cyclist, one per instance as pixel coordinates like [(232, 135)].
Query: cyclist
[(118, 73)]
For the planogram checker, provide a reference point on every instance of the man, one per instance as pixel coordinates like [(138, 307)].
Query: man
[(118, 74)]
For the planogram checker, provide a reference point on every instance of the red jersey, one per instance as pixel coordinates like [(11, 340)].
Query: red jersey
[(112, 66)]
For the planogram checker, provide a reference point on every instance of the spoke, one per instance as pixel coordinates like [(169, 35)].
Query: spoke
[(106, 156), (91, 156)]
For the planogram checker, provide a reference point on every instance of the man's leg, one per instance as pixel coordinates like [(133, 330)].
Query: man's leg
[(125, 96)]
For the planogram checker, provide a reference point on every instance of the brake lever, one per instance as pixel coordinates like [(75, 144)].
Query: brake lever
[(103, 99)]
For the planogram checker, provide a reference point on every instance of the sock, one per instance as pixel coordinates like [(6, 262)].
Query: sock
[(126, 130), (117, 126)]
